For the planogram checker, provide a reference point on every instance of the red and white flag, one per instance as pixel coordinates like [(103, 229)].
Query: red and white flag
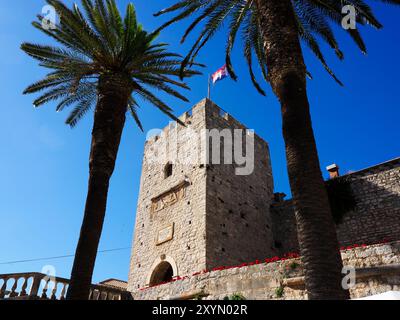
[(220, 74)]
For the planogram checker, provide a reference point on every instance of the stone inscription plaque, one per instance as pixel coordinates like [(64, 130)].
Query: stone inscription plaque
[(168, 198), (165, 234)]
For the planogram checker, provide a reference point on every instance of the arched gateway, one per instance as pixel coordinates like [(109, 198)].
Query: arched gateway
[(162, 273), (163, 270)]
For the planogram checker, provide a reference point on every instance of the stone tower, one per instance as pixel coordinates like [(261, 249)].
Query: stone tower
[(194, 212)]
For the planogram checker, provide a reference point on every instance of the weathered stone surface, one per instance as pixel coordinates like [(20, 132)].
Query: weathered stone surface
[(194, 215), (216, 218), (261, 281), (376, 218)]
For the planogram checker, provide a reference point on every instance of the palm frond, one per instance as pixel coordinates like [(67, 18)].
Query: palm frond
[(312, 43), (237, 18), (133, 106), (314, 20), (164, 108), (95, 44), (79, 111), (76, 30)]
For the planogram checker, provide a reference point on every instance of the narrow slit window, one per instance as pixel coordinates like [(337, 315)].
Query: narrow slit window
[(168, 170)]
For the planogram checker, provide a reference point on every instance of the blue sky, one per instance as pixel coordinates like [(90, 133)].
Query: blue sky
[(44, 163)]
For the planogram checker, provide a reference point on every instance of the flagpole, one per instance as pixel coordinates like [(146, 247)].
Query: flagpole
[(209, 88)]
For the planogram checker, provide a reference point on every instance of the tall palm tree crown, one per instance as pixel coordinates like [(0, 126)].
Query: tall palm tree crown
[(103, 45), (313, 19)]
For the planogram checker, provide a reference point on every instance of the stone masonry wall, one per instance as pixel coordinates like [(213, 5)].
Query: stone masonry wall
[(284, 227), (205, 214), (238, 221), (186, 249), (377, 271), (377, 215)]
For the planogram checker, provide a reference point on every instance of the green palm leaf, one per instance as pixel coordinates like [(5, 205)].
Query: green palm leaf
[(314, 26), (98, 42)]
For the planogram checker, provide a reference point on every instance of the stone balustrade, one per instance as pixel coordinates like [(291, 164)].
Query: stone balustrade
[(38, 286)]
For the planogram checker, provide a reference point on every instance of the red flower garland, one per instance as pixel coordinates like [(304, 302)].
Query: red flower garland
[(286, 256)]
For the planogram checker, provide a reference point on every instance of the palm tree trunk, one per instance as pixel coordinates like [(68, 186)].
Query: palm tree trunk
[(315, 226), (109, 120)]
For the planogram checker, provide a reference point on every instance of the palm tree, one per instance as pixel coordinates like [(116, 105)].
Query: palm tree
[(106, 62), (271, 31)]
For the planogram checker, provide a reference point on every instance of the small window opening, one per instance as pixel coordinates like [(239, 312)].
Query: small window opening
[(168, 170)]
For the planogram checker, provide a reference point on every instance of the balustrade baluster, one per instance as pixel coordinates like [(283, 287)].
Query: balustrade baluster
[(54, 291), (13, 292), (34, 292), (45, 288), (63, 291), (91, 294), (23, 288), (3, 289)]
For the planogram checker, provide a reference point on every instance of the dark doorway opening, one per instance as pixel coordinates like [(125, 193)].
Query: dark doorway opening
[(162, 273)]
